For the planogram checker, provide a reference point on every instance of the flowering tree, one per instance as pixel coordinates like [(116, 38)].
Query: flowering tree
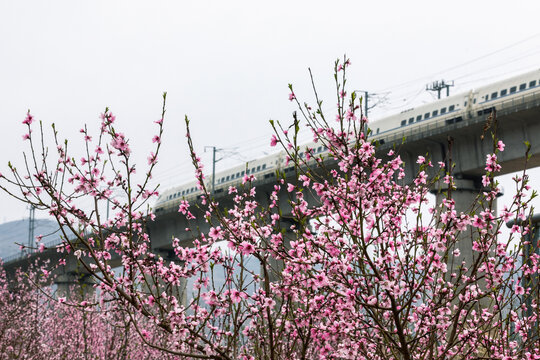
[(354, 263), (35, 325)]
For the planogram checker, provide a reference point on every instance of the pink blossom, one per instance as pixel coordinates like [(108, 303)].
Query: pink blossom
[(248, 178), (215, 233), (349, 116), (491, 163), (120, 143), (152, 159), (236, 296), (184, 206), (246, 248), (273, 140), (28, 119)]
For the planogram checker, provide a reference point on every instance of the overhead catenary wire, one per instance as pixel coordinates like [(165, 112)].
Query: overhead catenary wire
[(468, 62)]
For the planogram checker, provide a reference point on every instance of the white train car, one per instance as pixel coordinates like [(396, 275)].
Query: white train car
[(263, 167), (450, 110), (462, 106)]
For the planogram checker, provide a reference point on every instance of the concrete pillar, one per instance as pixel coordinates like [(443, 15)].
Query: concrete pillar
[(465, 196), (74, 285), (178, 291), (275, 266), (530, 247)]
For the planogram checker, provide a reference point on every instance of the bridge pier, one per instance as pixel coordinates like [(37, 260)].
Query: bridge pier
[(74, 285), (157, 288), (275, 266), (531, 247), (466, 198)]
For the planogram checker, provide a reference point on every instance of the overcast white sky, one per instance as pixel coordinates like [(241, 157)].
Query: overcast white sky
[(226, 64)]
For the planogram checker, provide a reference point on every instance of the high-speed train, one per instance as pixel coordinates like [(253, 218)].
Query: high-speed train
[(447, 111)]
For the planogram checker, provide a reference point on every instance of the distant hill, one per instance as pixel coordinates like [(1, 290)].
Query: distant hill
[(17, 232)]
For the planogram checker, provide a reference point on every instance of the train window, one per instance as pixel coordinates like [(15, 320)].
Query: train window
[(227, 178), (403, 122), (377, 133), (242, 173), (426, 116), (532, 84), (237, 174), (259, 168), (522, 87), (493, 95), (183, 192), (512, 89), (465, 103), (411, 120), (319, 149), (223, 179), (435, 112), (301, 154), (252, 170), (264, 166), (418, 118), (443, 110), (474, 101), (504, 92), (451, 108)]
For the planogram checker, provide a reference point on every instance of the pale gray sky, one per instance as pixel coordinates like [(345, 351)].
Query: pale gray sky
[(227, 64)]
